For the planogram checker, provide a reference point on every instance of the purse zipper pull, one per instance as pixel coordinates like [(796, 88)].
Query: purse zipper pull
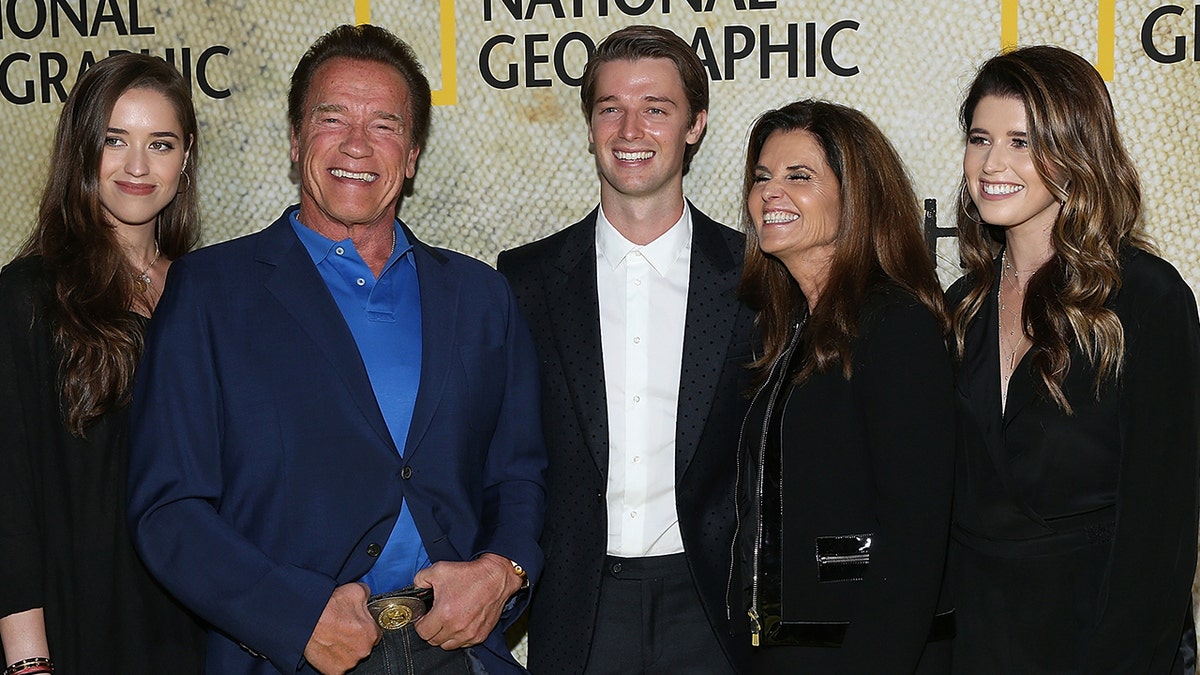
[(755, 626)]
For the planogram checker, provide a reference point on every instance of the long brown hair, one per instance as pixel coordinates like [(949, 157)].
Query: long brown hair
[(1078, 153), (99, 339), (878, 238)]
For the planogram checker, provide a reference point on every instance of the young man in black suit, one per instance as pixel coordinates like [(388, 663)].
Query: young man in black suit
[(642, 342)]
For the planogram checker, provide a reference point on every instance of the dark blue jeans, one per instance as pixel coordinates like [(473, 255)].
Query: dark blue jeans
[(403, 652)]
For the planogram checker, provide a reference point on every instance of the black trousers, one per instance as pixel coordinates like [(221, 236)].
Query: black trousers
[(650, 620)]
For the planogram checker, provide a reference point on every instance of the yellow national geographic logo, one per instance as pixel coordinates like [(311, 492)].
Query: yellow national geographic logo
[(1105, 32), (448, 94)]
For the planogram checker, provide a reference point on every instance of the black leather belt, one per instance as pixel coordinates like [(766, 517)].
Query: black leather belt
[(777, 633)]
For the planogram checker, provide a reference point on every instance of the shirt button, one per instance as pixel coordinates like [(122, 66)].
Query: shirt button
[(637, 399), (406, 472), (633, 514), (339, 250), (616, 568), (637, 460), (637, 282), (361, 281), (374, 550), (637, 340)]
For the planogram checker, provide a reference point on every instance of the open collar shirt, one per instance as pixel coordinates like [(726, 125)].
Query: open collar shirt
[(384, 316)]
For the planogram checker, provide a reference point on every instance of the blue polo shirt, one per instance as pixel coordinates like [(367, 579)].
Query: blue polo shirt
[(384, 315)]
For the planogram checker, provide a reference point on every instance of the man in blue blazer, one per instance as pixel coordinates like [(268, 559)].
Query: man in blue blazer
[(330, 409)]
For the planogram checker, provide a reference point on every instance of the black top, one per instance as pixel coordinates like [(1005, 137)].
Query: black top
[(64, 545), (868, 457), (1076, 534)]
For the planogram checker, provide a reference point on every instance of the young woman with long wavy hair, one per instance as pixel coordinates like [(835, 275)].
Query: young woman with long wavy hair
[(1078, 406)]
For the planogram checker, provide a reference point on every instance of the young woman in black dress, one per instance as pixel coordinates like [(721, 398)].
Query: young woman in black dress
[(1078, 390), (119, 205)]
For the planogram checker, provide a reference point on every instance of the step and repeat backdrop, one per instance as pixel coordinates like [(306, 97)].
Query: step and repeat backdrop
[(508, 160)]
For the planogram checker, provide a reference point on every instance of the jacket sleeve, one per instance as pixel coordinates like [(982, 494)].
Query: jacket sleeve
[(908, 403), (1149, 574), (176, 487), (21, 578), (514, 497)]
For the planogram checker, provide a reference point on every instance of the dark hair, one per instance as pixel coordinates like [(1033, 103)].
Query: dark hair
[(878, 238), (99, 339), (364, 43), (1078, 153), (637, 42)]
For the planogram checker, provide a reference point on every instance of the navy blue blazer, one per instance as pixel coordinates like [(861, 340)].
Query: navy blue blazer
[(262, 474)]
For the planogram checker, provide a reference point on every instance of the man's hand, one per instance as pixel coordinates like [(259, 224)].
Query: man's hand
[(467, 599), (345, 633)]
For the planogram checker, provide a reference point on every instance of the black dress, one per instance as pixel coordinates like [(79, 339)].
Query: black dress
[(1075, 535), (64, 544)]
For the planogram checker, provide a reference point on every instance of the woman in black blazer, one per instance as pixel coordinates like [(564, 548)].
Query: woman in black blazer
[(1078, 391), (846, 460)]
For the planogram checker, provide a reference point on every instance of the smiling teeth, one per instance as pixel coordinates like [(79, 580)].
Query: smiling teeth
[(1001, 188), (634, 156), (776, 217), (368, 177)]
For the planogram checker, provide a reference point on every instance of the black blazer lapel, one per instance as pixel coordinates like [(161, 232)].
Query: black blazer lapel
[(979, 383), (290, 276), (572, 298), (712, 313)]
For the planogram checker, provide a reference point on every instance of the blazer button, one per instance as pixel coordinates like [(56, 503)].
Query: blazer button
[(406, 472), (374, 550)]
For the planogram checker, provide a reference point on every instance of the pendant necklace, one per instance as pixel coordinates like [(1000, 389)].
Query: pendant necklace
[(143, 278), (1008, 365)]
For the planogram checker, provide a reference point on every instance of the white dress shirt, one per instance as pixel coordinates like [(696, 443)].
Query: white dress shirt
[(642, 292)]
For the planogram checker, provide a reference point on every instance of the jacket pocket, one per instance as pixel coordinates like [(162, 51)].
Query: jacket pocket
[(844, 557)]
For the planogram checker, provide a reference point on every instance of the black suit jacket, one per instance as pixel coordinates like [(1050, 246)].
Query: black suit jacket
[(1081, 527), (555, 283)]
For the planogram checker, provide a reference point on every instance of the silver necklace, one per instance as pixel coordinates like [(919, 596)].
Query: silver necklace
[(143, 278)]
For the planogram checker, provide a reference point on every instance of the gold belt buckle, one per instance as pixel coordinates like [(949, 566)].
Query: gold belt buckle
[(395, 610)]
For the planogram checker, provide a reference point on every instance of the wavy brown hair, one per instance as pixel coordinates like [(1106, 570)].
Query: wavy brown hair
[(1078, 153), (98, 337), (878, 240)]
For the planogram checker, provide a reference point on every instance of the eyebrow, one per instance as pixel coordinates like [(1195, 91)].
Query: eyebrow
[(327, 107), (649, 98), (338, 108), (155, 134), (1013, 132), (793, 167)]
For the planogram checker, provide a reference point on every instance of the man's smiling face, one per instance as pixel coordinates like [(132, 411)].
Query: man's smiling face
[(354, 146)]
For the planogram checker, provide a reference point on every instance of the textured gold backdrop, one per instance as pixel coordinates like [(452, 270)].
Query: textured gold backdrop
[(506, 166)]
